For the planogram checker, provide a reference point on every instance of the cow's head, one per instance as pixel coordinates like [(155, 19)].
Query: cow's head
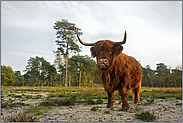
[(105, 51)]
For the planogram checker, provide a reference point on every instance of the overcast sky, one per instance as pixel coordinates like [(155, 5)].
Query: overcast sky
[(154, 29)]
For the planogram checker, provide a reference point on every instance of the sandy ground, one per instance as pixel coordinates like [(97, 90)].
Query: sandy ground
[(165, 110)]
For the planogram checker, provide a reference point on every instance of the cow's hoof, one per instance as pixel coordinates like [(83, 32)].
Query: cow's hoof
[(125, 108), (120, 102), (136, 101), (108, 106)]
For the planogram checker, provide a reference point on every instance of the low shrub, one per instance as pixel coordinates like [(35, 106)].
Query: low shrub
[(58, 102), (106, 112), (161, 97), (61, 95), (179, 97), (104, 96), (145, 116), (149, 101), (9, 95), (99, 101), (178, 104), (95, 108), (18, 96), (119, 114), (90, 101), (3, 105), (28, 96)]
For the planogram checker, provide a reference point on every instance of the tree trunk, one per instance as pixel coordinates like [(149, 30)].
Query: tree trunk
[(31, 84), (66, 64), (146, 81), (51, 82), (23, 81), (47, 83), (163, 83), (80, 75), (38, 81), (70, 80), (175, 83), (151, 84), (60, 78)]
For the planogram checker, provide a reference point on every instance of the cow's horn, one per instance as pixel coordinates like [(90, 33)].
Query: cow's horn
[(82, 42), (122, 42)]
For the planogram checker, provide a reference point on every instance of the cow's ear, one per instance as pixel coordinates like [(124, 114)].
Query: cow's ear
[(117, 49), (93, 52)]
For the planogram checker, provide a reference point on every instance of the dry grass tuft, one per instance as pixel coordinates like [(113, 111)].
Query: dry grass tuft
[(21, 117)]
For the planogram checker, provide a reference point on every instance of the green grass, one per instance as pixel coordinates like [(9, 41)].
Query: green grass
[(97, 92), (178, 104), (106, 112), (4, 105), (119, 114), (18, 96), (10, 104), (179, 97), (161, 93), (59, 96), (38, 110), (103, 96), (95, 108), (9, 95), (28, 96), (149, 101), (120, 109), (161, 97), (58, 102), (137, 108)]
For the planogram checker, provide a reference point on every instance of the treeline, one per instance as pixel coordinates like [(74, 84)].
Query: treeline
[(82, 71), (162, 76)]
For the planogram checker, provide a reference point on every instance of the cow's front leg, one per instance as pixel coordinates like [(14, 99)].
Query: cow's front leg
[(110, 99), (124, 94)]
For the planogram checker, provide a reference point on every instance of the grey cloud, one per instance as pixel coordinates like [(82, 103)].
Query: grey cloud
[(27, 28)]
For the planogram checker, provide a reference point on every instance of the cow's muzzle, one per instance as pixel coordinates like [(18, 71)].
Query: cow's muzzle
[(103, 63)]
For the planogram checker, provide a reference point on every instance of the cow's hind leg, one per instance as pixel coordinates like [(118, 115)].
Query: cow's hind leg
[(136, 91)]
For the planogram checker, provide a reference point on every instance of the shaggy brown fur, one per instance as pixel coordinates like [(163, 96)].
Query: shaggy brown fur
[(121, 72)]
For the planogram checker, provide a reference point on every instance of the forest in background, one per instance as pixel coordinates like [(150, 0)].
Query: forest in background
[(82, 71), (78, 70)]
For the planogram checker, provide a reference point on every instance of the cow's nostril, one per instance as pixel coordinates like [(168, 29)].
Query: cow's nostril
[(105, 60)]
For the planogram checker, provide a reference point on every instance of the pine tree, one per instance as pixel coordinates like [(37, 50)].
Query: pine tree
[(66, 40)]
